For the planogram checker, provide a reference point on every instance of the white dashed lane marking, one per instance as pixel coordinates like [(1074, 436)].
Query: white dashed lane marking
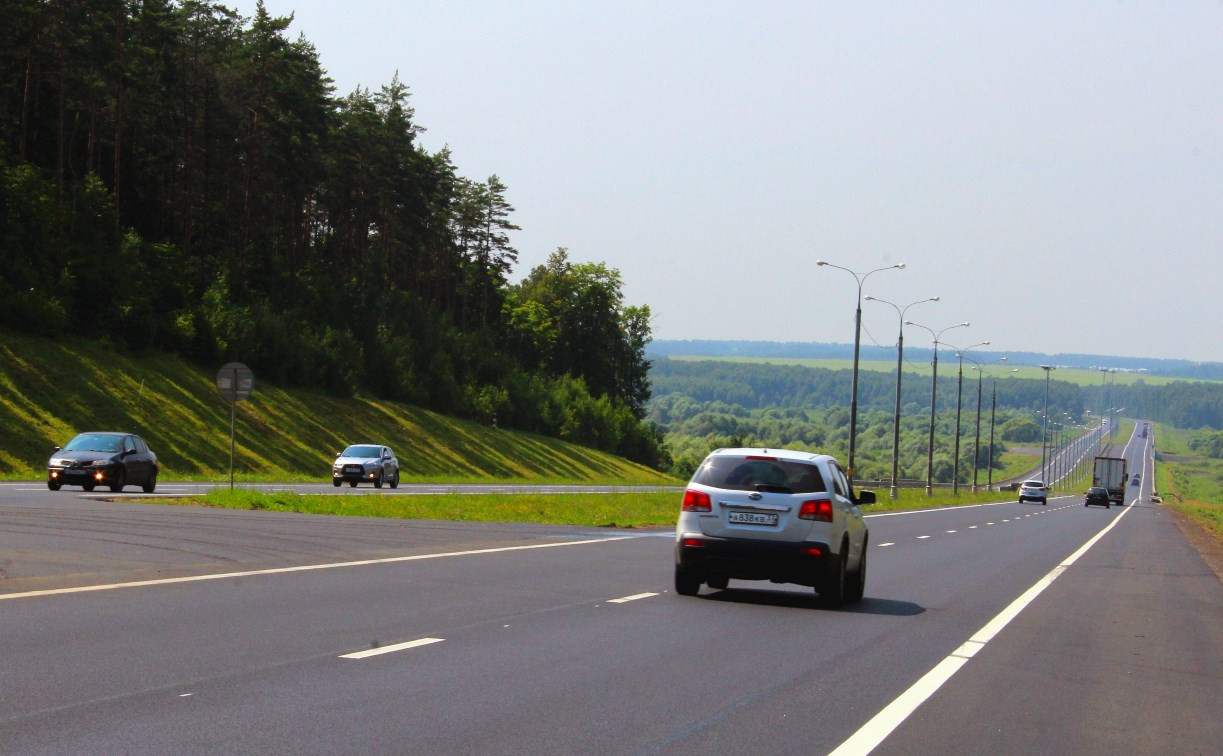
[(392, 648), (634, 597)]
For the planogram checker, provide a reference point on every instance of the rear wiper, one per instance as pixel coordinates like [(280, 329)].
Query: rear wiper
[(768, 488)]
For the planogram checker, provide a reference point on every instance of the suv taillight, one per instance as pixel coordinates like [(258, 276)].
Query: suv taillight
[(816, 509), (697, 501)]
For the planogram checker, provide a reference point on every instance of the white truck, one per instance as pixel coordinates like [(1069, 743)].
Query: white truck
[(1110, 473)]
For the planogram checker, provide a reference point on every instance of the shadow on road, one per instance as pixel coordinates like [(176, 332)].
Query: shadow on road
[(868, 605)]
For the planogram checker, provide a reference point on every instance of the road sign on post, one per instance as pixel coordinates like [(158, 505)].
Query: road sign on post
[(235, 381)]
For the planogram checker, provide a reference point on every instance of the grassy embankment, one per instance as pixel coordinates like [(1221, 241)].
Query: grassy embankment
[(1190, 482), (51, 390)]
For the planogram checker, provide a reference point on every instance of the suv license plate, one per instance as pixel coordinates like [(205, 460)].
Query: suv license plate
[(753, 518)]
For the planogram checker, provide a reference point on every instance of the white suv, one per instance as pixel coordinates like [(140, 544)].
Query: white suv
[(768, 514), (1033, 490)]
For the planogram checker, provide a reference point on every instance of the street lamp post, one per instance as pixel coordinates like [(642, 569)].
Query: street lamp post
[(853, 400), (933, 396), (993, 406), (959, 400), (894, 492), (976, 444), (1044, 432)]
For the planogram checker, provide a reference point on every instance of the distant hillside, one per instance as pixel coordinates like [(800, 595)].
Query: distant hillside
[(707, 348), (50, 390)]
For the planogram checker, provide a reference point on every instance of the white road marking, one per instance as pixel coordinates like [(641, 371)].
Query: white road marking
[(921, 537), (951, 531), (634, 597), (973, 527), (890, 543), (390, 649), (871, 734), (304, 568)]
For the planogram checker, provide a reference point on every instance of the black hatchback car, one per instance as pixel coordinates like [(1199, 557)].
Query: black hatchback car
[(1097, 495), (103, 458)]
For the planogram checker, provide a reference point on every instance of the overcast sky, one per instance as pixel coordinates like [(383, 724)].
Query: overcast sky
[(1052, 170)]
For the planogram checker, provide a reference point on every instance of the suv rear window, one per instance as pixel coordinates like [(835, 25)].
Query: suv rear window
[(759, 474)]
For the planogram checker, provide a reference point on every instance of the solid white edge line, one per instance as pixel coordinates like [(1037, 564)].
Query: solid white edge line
[(871, 734), (390, 649), (303, 568), (634, 597)]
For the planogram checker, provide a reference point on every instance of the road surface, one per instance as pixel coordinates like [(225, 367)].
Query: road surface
[(1007, 628)]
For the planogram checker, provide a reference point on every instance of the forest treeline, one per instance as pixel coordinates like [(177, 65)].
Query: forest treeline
[(178, 177), (702, 405)]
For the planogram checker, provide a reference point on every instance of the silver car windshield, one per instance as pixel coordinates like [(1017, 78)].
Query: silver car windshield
[(363, 451)]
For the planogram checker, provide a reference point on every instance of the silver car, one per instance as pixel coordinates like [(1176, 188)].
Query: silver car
[(778, 515), (370, 463)]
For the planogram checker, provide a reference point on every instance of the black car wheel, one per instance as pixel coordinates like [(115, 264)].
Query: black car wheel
[(687, 583), (150, 485), (87, 486), (53, 485), (352, 484), (395, 480), (718, 582), (378, 480), (118, 483)]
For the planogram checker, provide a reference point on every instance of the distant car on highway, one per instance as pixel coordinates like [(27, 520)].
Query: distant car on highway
[(1097, 495), (1033, 490), (103, 458), (768, 514), (1135, 480), (369, 463)]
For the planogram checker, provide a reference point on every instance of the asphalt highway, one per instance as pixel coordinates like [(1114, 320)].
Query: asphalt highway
[(1009, 628)]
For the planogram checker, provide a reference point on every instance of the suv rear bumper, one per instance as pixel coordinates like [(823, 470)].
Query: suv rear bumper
[(805, 563)]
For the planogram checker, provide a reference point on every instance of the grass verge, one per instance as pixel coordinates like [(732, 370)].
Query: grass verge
[(617, 510), (1188, 481)]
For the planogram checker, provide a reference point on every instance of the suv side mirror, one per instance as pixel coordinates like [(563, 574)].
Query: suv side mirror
[(865, 497)]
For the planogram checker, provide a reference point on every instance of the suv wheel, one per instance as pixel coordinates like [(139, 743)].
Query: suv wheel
[(857, 580), (687, 583), (833, 594), (395, 480), (378, 480)]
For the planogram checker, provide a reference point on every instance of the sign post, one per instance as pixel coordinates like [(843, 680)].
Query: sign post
[(235, 381)]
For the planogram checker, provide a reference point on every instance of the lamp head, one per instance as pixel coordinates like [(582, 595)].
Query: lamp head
[(821, 262), (899, 265)]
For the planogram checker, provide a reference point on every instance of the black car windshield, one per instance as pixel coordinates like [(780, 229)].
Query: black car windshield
[(759, 474), (100, 442), (363, 451)]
